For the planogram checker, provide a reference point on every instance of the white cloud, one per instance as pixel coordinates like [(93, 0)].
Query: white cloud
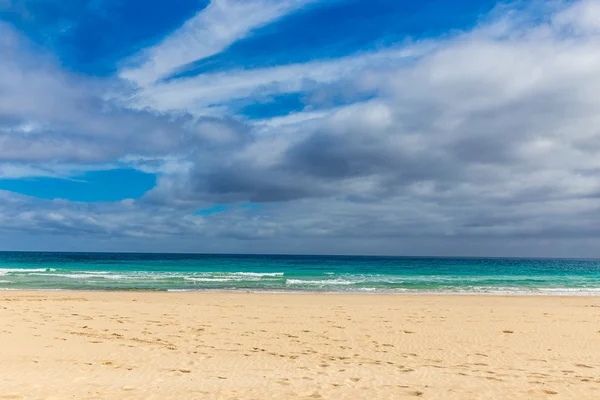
[(209, 32), (581, 18), (63, 170), (200, 94), (269, 124), (51, 120)]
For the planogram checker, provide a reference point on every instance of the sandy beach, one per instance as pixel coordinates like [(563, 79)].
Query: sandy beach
[(110, 345)]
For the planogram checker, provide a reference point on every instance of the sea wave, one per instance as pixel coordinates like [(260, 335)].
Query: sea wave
[(232, 276), (323, 282), (81, 275), (231, 279), (5, 271), (295, 280)]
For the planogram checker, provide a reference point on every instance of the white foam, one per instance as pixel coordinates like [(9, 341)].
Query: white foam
[(95, 272), (4, 271), (231, 276), (320, 282), (212, 279), (82, 276), (257, 274), (570, 291)]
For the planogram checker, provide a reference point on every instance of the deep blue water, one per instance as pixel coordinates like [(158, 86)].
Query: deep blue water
[(128, 271)]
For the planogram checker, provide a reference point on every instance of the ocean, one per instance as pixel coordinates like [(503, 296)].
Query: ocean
[(296, 273)]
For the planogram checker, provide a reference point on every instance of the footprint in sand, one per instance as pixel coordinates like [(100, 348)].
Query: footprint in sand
[(544, 391)]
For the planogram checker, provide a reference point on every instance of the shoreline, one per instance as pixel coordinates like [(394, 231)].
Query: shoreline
[(563, 292)]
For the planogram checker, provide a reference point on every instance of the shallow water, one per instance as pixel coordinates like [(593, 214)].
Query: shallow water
[(129, 271)]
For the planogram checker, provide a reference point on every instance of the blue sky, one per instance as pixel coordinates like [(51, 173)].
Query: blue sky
[(93, 37), (344, 126), (109, 185)]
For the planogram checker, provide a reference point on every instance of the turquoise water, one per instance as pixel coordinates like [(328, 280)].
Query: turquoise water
[(181, 272)]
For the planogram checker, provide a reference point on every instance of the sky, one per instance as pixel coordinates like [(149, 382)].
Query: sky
[(376, 127)]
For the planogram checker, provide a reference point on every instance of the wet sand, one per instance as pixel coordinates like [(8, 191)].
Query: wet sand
[(111, 345)]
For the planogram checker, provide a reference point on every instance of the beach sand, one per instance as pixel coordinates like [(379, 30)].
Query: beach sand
[(109, 345)]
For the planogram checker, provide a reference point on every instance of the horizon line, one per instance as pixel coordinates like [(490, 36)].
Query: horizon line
[(300, 255)]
